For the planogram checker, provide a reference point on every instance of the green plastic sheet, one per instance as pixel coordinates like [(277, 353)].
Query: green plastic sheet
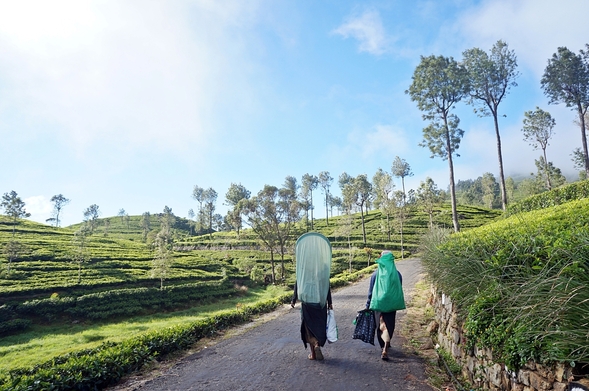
[(313, 265)]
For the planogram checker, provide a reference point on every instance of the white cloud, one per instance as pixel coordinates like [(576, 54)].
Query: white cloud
[(128, 74), (368, 29), (39, 207), (384, 138), (533, 28)]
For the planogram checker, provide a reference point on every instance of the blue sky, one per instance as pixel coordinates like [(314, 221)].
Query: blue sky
[(130, 104)]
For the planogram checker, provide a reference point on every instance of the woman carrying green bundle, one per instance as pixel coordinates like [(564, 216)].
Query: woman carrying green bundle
[(385, 298), (313, 265)]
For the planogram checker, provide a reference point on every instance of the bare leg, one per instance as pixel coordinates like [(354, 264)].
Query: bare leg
[(386, 338), (315, 349)]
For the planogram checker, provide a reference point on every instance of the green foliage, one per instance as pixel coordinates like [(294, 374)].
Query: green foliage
[(519, 283), (123, 302), (13, 325), (573, 191), (97, 368)]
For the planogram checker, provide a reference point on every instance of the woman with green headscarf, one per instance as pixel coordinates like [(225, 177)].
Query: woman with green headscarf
[(385, 298)]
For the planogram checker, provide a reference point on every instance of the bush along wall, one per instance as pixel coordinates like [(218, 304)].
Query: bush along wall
[(519, 296), (98, 368), (480, 366)]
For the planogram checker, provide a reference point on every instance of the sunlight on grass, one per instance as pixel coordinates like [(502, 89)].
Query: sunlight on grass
[(43, 343)]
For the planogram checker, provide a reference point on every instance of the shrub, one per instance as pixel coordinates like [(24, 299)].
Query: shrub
[(561, 195), (95, 369), (14, 325), (520, 283)]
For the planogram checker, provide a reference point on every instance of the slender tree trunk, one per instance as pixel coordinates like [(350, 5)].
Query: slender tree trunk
[(282, 263), (272, 263), (311, 210), (583, 137), (388, 227), (326, 207), (452, 188), (546, 173), (500, 156), (402, 219), (363, 228)]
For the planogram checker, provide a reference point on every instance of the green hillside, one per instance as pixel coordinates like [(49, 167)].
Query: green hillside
[(46, 312), (118, 257)]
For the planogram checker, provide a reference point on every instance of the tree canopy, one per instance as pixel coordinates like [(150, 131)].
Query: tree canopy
[(566, 80)]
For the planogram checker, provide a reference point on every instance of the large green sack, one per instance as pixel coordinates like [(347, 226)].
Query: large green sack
[(313, 267), (387, 293)]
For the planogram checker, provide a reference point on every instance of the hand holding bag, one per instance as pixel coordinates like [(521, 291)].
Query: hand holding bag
[(332, 332), (365, 326)]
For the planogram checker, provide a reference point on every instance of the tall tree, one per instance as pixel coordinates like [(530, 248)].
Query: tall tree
[(382, 186), (548, 170), (164, 247), (566, 80), (234, 195), (210, 199), (290, 208), (81, 254), (271, 215), (325, 181), (91, 215), (145, 223), (491, 77), (198, 195), (122, 214), (345, 183), (439, 83), (364, 188), (578, 160), (59, 201), (537, 129), (14, 207), (401, 169), (335, 202), (429, 197), (400, 214), (12, 251), (489, 186), (309, 183)]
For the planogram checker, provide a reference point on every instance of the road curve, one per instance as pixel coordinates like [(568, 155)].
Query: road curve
[(271, 356)]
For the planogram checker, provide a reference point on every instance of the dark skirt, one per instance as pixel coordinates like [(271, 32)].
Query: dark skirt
[(389, 321), (314, 321)]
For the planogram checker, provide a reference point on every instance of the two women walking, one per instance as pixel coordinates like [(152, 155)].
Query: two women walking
[(313, 263)]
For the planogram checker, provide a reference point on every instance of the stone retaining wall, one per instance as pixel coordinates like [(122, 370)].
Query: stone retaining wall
[(478, 365)]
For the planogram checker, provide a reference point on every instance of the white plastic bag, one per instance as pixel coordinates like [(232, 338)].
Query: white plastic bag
[(331, 327)]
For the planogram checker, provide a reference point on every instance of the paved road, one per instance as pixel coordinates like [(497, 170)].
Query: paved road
[(271, 355)]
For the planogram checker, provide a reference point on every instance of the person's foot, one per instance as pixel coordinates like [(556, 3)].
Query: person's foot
[(384, 356), (317, 351)]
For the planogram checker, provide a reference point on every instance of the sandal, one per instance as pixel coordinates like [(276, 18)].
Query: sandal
[(318, 354), (384, 356)]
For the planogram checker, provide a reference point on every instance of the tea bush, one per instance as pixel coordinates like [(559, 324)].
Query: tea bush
[(520, 283)]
